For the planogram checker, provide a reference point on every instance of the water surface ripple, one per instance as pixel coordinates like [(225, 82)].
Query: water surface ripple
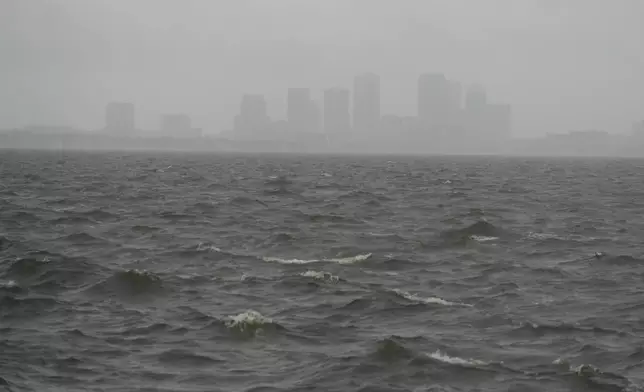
[(153, 272)]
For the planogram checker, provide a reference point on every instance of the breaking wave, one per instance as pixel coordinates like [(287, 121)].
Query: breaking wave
[(343, 260), (250, 323), (427, 300), (442, 357), (132, 282), (321, 275)]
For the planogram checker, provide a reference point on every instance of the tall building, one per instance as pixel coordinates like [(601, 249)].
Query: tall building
[(498, 121), (175, 124), (434, 100), (455, 104), (178, 125), (366, 102), (477, 118), (252, 118), (336, 111), (476, 99), (301, 110), (119, 118)]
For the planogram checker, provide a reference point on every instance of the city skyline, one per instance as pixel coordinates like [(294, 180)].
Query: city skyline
[(570, 65)]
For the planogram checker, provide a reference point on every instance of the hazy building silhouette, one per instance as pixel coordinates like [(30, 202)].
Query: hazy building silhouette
[(175, 123), (498, 121), (455, 104), (252, 118), (120, 118), (476, 99), (476, 114), (178, 126), (366, 102), (337, 118), (302, 113), (434, 98)]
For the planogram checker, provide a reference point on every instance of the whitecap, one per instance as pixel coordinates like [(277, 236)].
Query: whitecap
[(247, 320), (427, 300), (560, 361), (320, 275), (209, 248), (482, 238), (8, 284), (344, 260), (350, 260), (543, 236), (288, 261), (439, 356)]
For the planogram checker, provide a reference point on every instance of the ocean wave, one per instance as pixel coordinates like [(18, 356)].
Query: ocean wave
[(427, 300), (97, 214), (544, 236), (479, 228), (442, 357), (481, 231), (9, 285), (250, 323), (26, 307), (342, 260), (482, 238), (391, 349), (183, 357), (5, 243), (144, 229), (321, 275), (332, 218), (598, 378), (545, 328), (204, 247), (48, 271), (82, 238), (130, 282)]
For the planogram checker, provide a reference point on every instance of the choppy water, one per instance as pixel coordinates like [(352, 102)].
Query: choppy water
[(265, 274)]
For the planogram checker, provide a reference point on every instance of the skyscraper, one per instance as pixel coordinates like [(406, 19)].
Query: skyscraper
[(434, 100), (455, 103), (253, 117), (336, 111), (119, 118), (366, 102), (476, 99), (498, 121), (476, 113), (175, 124), (300, 112)]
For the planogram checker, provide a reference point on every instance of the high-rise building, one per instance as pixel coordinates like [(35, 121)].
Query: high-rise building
[(175, 124), (477, 118), (455, 103), (336, 111), (434, 100), (498, 121), (178, 125), (301, 111), (119, 118), (476, 99), (253, 117), (366, 102)]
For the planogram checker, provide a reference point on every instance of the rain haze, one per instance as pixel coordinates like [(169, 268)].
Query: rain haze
[(562, 65), (331, 195)]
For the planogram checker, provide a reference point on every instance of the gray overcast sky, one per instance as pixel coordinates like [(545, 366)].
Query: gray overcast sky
[(568, 64)]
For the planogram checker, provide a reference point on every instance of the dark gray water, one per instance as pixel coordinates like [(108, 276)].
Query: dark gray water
[(265, 274)]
